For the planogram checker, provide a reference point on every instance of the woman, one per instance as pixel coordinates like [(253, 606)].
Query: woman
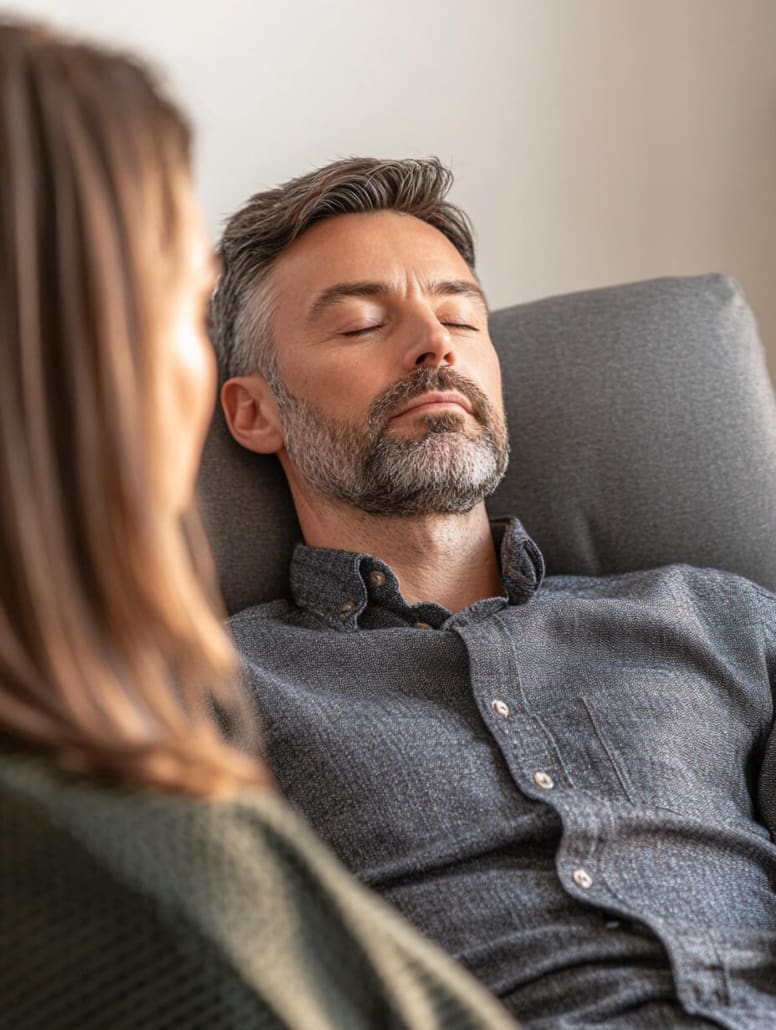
[(148, 876)]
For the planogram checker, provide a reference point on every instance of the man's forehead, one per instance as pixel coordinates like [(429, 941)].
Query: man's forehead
[(371, 252)]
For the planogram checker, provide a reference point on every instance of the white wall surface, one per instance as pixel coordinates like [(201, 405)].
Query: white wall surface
[(593, 141)]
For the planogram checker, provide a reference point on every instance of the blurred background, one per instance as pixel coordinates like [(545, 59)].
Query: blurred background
[(593, 141)]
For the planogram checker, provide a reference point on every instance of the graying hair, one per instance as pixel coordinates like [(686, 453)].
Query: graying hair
[(255, 236)]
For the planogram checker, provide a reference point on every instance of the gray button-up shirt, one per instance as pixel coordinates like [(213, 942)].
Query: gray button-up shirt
[(571, 788)]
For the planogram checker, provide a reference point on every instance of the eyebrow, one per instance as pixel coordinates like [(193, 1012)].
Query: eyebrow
[(342, 291)]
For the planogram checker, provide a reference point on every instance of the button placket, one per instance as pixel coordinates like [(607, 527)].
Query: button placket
[(496, 680)]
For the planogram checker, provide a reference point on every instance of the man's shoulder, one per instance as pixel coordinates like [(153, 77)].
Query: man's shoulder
[(267, 611), (272, 617), (710, 585)]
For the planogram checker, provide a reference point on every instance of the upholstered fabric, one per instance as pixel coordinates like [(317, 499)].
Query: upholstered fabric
[(643, 430)]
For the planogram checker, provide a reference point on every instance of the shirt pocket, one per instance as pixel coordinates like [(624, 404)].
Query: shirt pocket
[(674, 739)]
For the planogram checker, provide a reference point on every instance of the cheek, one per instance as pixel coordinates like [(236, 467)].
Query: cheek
[(343, 389), (188, 398), (194, 379), (481, 365), (492, 379), (497, 389)]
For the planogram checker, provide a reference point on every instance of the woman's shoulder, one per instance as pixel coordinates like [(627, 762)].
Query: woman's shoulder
[(90, 936), (162, 842), (183, 850), (191, 900)]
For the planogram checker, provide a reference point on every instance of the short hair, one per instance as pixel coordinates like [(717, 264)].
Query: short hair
[(256, 235)]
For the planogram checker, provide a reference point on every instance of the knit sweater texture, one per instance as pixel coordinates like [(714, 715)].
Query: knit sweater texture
[(132, 908)]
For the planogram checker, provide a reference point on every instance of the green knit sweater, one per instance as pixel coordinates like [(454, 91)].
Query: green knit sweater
[(139, 909)]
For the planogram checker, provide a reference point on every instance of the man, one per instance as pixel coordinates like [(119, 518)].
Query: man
[(568, 783)]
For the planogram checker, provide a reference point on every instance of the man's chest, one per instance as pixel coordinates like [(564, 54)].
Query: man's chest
[(408, 738)]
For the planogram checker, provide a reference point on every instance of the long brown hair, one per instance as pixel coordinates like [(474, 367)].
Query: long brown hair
[(112, 655)]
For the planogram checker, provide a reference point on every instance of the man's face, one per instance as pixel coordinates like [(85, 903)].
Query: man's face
[(390, 390)]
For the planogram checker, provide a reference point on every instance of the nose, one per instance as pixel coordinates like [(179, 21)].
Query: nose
[(430, 344)]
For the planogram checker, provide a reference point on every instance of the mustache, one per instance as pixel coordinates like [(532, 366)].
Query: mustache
[(421, 381)]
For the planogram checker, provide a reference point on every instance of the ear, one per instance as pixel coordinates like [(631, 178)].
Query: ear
[(251, 412)]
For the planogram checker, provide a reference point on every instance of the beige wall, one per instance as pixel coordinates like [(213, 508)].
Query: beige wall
[(594, 141)]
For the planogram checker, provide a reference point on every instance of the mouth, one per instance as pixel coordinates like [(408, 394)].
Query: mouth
[(430, 403)]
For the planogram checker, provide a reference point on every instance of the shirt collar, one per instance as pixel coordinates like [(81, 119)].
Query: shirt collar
[(522, 563), (338, 585)]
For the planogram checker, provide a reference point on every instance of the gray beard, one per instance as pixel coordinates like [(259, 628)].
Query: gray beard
[(448, 469)]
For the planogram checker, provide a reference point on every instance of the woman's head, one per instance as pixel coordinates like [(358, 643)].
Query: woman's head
[(107, 643), (101, 245)]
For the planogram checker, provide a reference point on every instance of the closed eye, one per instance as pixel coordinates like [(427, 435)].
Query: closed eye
[(362, 332), (350, 333)]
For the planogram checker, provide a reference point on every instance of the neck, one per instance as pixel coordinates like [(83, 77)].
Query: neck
[(448, 559)]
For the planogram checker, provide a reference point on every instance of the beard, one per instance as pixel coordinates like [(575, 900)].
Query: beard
[(447, 468)]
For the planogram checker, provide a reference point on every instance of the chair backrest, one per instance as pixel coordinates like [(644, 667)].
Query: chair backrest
[(643, 431)]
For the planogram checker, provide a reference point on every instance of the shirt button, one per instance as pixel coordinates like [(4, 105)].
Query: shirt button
[(347, 606), (422, 625), (377, 578), (582, 878), (500, 708), (543, 780)]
